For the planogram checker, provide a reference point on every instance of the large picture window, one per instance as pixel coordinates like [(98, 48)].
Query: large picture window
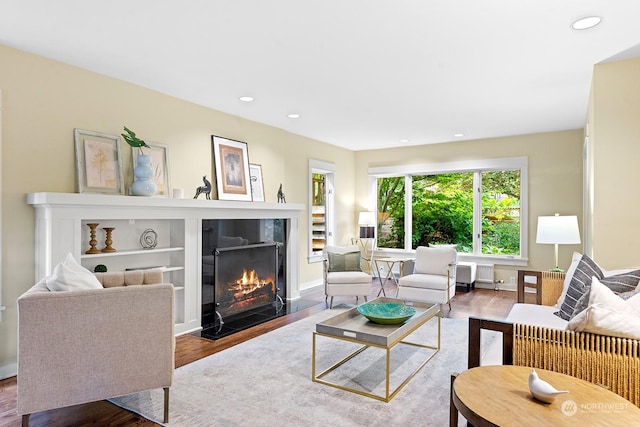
[(477, 206)]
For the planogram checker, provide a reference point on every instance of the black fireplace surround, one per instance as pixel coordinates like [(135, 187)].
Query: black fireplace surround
[(243, 274)]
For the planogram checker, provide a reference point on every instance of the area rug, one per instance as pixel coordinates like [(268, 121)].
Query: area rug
[(267, 381)]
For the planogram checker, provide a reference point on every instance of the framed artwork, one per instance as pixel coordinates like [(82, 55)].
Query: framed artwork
[(159, 154), (98, 162), (231, 159), (257, 184)]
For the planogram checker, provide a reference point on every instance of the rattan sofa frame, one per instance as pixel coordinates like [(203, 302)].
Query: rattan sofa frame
[(609, 361)]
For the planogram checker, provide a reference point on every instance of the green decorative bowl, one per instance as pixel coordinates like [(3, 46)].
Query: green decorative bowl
[(386, 313)]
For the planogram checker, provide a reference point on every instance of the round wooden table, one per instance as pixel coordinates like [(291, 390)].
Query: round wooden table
[(499, 396)]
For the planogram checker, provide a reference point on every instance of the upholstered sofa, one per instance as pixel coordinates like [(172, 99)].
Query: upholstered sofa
[(583, 346), (83, 345)]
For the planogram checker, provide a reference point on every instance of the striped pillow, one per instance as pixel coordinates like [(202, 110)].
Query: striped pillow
[(622, 282), (579, 285), (619, 284)]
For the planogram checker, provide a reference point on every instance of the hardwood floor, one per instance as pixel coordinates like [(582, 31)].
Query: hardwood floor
[(478, 302)]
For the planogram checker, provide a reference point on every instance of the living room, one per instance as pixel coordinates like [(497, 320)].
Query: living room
[(44, 100)]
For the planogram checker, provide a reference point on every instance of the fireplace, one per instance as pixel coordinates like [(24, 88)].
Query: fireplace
[(245, 278), (243, 273)]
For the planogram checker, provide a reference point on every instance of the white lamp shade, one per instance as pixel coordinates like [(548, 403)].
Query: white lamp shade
[(558, 229), (367, 218)]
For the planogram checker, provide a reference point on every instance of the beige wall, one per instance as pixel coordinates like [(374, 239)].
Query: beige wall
[(555, 178), (45, 100), (614, 123)]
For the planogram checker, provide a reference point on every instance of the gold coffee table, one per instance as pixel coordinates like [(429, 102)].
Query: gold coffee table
[(354, 327)]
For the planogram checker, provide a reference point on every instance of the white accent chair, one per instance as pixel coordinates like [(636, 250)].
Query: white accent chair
[(343, 275), (433, 278)]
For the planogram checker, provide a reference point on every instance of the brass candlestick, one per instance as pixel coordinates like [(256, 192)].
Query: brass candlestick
[(93, 242), (108, 240)]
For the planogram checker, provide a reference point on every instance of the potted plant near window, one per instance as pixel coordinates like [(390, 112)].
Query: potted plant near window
[(143, 184)]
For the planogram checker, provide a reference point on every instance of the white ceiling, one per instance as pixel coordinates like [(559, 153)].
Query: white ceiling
[(362, 74)]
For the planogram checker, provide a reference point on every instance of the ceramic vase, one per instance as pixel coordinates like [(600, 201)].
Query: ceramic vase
[(143, 172)]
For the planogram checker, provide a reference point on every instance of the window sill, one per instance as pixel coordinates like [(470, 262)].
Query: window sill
[(480, 259), (314, 258)]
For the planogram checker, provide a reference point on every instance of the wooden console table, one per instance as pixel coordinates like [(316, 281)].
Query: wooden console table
[(499, 396)]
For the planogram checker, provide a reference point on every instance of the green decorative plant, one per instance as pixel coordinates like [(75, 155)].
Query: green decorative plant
[(100, 268), (133, 140)]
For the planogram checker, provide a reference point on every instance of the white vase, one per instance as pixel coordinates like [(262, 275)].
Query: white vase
[(143, 172)]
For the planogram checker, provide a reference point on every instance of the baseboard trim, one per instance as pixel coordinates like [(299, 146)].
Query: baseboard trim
[(497, 286), (310, 287), (8, 371)]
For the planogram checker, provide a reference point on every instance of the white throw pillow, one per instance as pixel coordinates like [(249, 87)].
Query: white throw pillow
[(608, 314), (71, 276)]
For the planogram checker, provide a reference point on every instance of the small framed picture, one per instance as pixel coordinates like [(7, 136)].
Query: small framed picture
[(159, 154), (231, 159), (257, 185), (98, 162)]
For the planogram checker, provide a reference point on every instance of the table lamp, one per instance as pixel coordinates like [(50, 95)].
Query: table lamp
[(367, 223), (558, 230)]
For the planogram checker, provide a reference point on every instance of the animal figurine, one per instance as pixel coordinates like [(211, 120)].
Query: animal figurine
[(206, 189), (542, 390), (281, 198)]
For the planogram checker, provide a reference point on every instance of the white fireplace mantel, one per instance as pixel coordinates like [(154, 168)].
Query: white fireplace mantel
[(60, 229)]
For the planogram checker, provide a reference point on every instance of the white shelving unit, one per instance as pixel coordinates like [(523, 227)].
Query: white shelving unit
[(61, 227), (130, 255), (319, 228)]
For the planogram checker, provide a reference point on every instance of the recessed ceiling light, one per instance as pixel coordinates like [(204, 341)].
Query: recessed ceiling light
[(586, 23), (458, 135), (404, 141), (246, 98), (293, 116)]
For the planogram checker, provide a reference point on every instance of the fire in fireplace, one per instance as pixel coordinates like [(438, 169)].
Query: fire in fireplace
[(245, 277), (244, 294)]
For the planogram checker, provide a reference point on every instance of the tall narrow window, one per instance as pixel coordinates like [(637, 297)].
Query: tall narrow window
[(391, 212), (2, 308), (321, 208), (318, 212), (501, 212)]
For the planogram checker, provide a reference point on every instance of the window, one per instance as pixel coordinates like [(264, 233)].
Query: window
[(2, 308), (500, 231), (478, 206), (321, 211)]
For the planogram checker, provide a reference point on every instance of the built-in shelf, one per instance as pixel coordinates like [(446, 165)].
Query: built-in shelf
[(168, 269), (132, 252)]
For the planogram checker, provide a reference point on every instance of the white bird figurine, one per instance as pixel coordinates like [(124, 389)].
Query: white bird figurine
[(542, 390)]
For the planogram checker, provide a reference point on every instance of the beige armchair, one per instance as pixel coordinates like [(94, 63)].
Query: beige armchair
[(85, 345), (433, 278), (343, 275)]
